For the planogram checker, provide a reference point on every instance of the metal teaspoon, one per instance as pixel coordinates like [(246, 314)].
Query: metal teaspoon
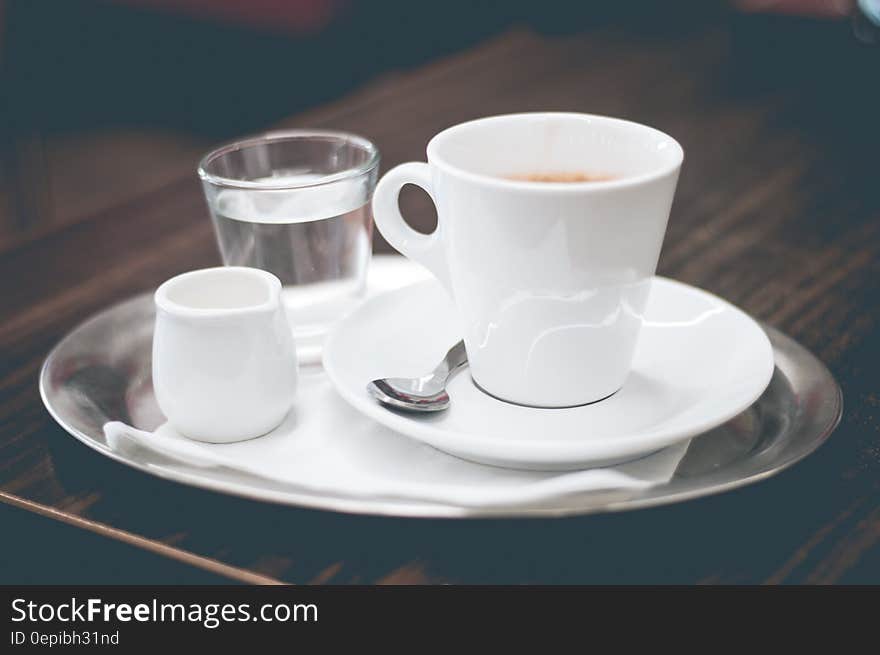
[(424, 394)]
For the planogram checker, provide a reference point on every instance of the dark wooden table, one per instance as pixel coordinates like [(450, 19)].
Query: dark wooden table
[(777, 210)]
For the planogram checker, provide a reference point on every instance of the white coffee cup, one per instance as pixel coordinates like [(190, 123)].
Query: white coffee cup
[(550, 279), (224, 362)]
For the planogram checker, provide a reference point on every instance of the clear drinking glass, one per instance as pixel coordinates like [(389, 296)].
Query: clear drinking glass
[(297, 204)]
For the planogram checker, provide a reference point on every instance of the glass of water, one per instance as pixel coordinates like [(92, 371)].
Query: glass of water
[(297, 204)]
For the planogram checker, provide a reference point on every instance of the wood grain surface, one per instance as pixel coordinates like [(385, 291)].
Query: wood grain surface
[(777, 210)]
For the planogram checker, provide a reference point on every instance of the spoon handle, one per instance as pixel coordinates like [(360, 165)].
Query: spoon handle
[(454, 360)]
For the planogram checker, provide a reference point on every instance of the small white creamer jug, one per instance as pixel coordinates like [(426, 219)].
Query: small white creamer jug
[(224, 361)]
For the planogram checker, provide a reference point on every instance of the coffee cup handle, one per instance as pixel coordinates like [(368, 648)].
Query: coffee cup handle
[(426, 249)]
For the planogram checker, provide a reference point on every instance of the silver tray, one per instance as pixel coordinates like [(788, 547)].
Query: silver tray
[(101, 372)]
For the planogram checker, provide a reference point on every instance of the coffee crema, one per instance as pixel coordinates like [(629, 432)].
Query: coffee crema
[(560, 176)]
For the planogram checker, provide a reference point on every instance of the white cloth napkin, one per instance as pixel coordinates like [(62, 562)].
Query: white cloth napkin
[(327, 447)]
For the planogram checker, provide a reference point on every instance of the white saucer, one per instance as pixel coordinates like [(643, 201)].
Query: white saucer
[(700, 362)]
